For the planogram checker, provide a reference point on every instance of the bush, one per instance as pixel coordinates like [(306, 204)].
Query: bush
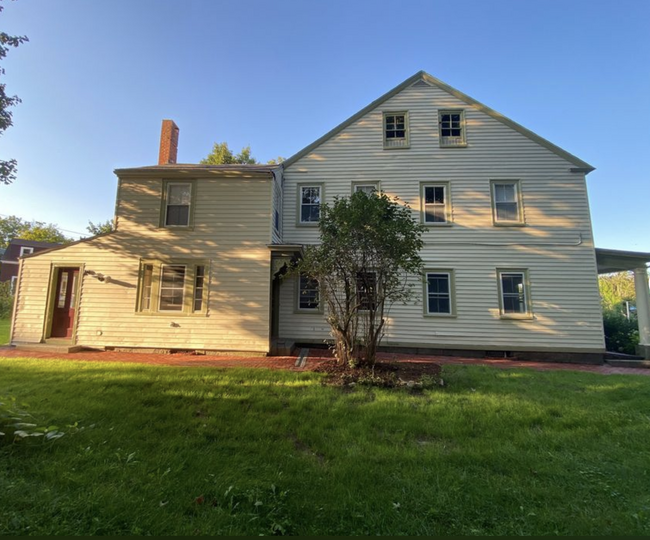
[(6, 300), (621, 334), (16, 424)]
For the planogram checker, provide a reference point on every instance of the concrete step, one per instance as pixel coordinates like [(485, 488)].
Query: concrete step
[(627, 363), (47, 348), (282, 347)]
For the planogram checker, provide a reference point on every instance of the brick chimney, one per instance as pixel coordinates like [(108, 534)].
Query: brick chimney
[(168, 143)]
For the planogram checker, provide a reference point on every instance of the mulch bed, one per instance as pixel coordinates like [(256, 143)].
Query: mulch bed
[(385, 373)]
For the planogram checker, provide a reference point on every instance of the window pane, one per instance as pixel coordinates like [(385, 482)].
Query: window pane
[(172, 283), (368, 190), (308, 293), (311, 195), (366, 290), (435, 214), (179, 194), (439, 195), (505, 193), (147, 278), (178, 215), (198, 287), (507, 212), (62, 290)]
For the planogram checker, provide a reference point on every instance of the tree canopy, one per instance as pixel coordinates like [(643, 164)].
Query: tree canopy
[(14, 227), (7, 167), (221, 154), (100, 228), (368, 259)]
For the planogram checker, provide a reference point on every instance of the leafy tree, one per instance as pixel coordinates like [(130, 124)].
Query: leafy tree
[(366, 261), (14, 227), (616, 289), (7, 168), (222, 155), (100, 228)]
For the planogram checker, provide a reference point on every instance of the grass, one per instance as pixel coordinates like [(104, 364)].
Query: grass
[(4, 331), (171, 451)]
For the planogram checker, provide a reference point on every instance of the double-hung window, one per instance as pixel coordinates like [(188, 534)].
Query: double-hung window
[(177, 208), (514, 297), (309, 199), (436, 209), (175, 286), (367, 290), (506, 202), (396, 130), (308, 294), (452, 128), (439, 290)]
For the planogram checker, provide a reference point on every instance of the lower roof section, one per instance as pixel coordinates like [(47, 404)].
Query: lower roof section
[(614, 260)]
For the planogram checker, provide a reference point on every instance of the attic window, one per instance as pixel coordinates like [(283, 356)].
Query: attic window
[(396, 129), (452, 128)]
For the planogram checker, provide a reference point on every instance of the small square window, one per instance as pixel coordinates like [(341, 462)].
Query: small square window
[(452, 128), (24, 250), (396, 130), (369, 188)]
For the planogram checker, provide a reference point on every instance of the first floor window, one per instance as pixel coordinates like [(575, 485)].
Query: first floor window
[(178, 203), (172, 288), (367, 290), (310, 199), (505, 200), (308, 294), (178, 286), (439, 293), (368, 189), (514, 297), (435, 203)]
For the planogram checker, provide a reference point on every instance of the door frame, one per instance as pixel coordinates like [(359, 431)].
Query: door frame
[(51, 302)]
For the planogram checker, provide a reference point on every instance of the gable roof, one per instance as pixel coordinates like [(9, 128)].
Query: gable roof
[(581, 166)]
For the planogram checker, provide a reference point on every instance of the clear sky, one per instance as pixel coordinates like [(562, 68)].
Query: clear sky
[(97, 78)]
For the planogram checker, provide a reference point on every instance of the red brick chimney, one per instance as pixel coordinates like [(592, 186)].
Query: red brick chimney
[(168, 143)]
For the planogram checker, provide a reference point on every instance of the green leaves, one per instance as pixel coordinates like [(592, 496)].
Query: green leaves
[(15, 428)]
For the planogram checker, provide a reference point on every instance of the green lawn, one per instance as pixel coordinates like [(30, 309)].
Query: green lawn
[(174, 451), (4, 331)]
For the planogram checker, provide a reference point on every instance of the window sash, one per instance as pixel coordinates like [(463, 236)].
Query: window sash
[(171, 292), (308, 294), (178, 204), (310, 201), (396, 129), (439, 293), (435, 203), (505, 196), (452, 128), (199, 285), (367, 290), (514, 300), (368, 189)]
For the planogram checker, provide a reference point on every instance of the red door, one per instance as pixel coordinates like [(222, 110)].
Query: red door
[(64, 303)]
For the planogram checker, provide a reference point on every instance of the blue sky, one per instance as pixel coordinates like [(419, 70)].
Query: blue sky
[(97, 78)]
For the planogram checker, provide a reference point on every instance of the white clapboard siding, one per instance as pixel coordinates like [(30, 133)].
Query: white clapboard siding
[(232, 221), (556, 245)]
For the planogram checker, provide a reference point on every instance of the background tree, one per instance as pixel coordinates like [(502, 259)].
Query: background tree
[(14, 227), (366, 261), (616, 289), (621, 331), (8, 167), (222, 155), (100, 228)]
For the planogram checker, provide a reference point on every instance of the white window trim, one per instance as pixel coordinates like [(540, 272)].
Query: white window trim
[(523, 272), (23, 250), (450, 142), (321, 192), (520, 221), (448, 214), (452, 296)]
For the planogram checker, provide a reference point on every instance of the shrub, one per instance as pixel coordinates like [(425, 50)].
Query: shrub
[(621, 334), (16, 424), (6, 300)]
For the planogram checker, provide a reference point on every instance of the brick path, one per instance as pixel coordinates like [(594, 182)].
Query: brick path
[(315, 358)]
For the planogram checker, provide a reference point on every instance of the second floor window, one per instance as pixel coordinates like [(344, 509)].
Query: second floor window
[(24, 250), (178, 204), (310, 200), (506, 202)]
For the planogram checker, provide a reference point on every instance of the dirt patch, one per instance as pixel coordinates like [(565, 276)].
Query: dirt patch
[(385, 374)]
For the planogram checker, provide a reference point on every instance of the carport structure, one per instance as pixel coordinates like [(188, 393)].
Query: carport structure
[(612, 260)]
